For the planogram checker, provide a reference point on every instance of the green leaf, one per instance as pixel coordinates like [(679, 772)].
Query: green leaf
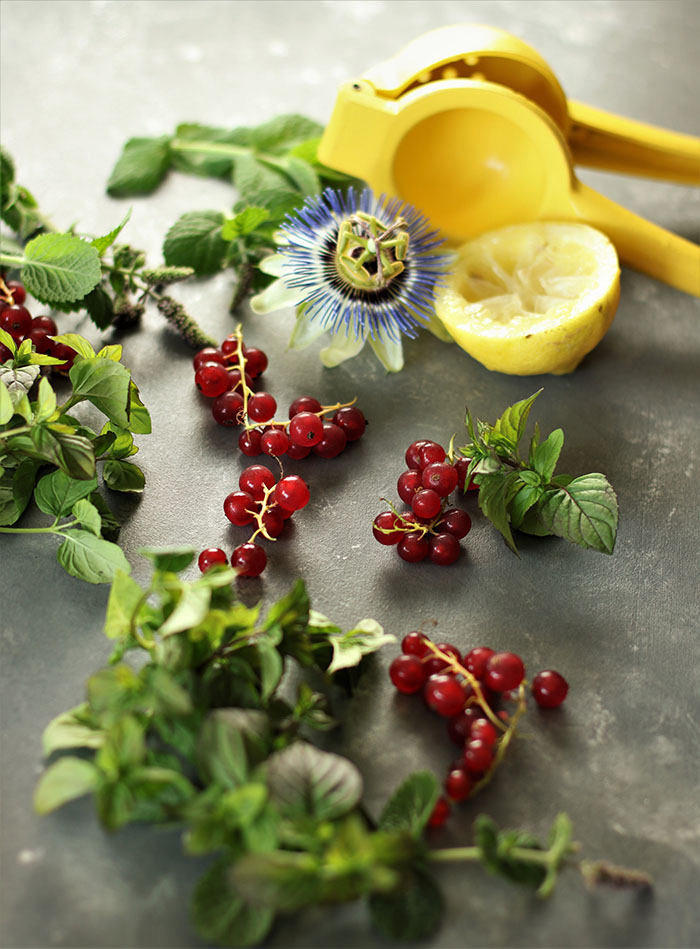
[(253, 178), (8, 341), (65, 780), (69, 730), (71, 453), (195, 240), (221, 752), (16, 490), (495, 494), (123, 476), (141, 167), (546, 455), (18, 380), (220, 916), (523, 501), (100, 307), (303, 175), (291, 612), (245, 222), (46, 400), (584, 512), (77, 343), (113, 351), (191, 609), (349, 648), (60, 268), (169, 559), (7, 408), (88, 516), (121, 445), (280, 879), (306, 781), (413, 912), (124, 597), (202, 162), (511, 425), (271, 667), (90, 558), (411, 804), (139, 417), (56, 493), (104, 383), (281, 133), (101, 244), (110, 525)]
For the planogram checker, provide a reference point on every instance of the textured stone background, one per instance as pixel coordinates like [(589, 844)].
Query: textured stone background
[(78, 79)]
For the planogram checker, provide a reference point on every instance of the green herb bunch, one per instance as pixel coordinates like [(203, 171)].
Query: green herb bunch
[(40, 433), (526, 495), (201, 736)]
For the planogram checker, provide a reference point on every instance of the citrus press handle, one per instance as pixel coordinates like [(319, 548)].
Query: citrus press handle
[(640, 244), (599, 139)]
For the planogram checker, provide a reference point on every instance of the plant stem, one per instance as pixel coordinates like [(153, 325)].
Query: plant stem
[(11, 260), (15, 431), (453, 854)]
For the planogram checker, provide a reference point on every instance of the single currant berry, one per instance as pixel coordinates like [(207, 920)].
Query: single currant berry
[(484, 730), (226, 408), (412, 454), (504, 671), (426, 504), (5, 353), (305, 428), (273, 521), (449, 650), (441, 477), (230, 347), (407, 674), (549, 688), (255, 479), (249, 560), (274, 442), (261, 407), (285, 512), (16, 320), (210, 558), (413, 547), (387, 521), (304, 403), (292, 493), (61, 351), (458, 784), (212, 379), (332, 442), (208, 354), (297, 452), (415, 644), (249, 442), (255, 362), (460, 725), (409, 482), (478, 756), (444, 549), (239, 508), (235, 380), (430, 453), (45, 323), (444, 694), (475, 661), (455, 522), (440, 813), (352, 422), (19, 294), (462, 466), (434, 665), (41, 340)]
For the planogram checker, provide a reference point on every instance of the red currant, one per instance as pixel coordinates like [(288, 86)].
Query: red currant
[(387, 520), (16, 320), (412, 454), (305, 403), (450, 650), (255, 362), (478, 756), (413, 547), (249, 442), (212, 379), (249, 560), (255, 479), (444, 695), (441, 477), (458, 784), (297, 452), (226, 408), (44, 323), (5, 353), (230, 346), (352, 422), (460, 725), (440, 813), (461, 466), (332, 442), (430, 453), (239, 508), (210, 558), (415, 644), (305, 428), (435, 665), (273, 521), (292, 493), (208, 354), (475, 661), (19, 294), (61, 351), (455, 522), (407, 674), (409, 482), (426, 504), (261, 407), (484, 730), (41, 340), (444, 549), (274, 442), (504, 671), (235, 380), (549, 688)]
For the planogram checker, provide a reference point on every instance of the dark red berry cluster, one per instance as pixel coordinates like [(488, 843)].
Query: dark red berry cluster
[(262, 499), (467, 690), (228, 376), (431, 528), (16, 320)]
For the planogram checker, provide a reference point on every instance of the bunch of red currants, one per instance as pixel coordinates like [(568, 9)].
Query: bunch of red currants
[(16, 320)]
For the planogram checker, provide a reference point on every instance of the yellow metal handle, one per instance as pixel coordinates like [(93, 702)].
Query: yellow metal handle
[(641, 244), (599, 139)]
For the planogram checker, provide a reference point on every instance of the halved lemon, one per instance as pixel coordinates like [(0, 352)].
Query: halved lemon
[(531, 298)]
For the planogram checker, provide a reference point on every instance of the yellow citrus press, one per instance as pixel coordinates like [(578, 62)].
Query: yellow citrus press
[(470, 124)]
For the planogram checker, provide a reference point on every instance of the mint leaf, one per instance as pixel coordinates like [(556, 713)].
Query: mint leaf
[(546, 455), (306, 781), (68, 730), (303, 175), (414, 911), (280, 134), (56, 493), (101, 244), (90, 558), (171, 559), (8, 341), (584, 512), (71, 453), (191, 609), (349, 648), (220, 916), (221, 753), (124, 597), (411, 804), (195, 241), (496, 491), (16, 490), (511, 425), (60, 268), (209, 164), (139, 416), (78, 344), (123, 476), (141, 167), (88, 516), (65, 780), (245, 222), (105, 383), (523, 501), (254, 178)]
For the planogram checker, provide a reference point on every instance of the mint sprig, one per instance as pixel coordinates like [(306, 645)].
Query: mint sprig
[(526, 495)]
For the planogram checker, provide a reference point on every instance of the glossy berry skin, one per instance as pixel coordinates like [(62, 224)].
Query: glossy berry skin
[(460, 725), (235, 380), (387, 520), (425, 504), (297, 452), (430, 453), (19, 294), (249, 559), (41, 340), (208, 354), (478, 756), (440, 813), (415, 644), (484, 730), (5, 353), (16, 320), (304, 403), (441, 477), (255, 362), (409, 482), (412, 547), (45, 323), (261, 407), (292, 493), (273, 521), (229, 348), (413, 454), (444, 549), (255, 479), (226, 408), (504, 671), (332, 442), (475, 661), (61, 351), (407, 674), (449, 650), (444, 695), (434, 665), (275, 442), (305, 428), (458, 784), (239, 508), (249, 442), (352, 422), (212, 379), (549, 688), (210, 558), (456, 522)]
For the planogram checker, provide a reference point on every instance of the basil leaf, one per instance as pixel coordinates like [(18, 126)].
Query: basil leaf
[(306, 781), (90, 558), (88, 516), (15, 491), (60, 268), (139, 416), (124, 597), (56, 493), (584, 512), (141, 167), (511, 425), (123, 476), (105, 383), (170, 559)]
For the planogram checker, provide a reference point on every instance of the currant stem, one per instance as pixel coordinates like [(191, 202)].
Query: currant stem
[(459, 669)]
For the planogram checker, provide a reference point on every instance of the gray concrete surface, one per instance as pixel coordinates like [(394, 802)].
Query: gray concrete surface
[(78, 79)]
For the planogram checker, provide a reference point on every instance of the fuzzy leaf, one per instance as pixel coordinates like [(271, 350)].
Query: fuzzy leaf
[(283, 132), (60, 268), (101, 244)]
